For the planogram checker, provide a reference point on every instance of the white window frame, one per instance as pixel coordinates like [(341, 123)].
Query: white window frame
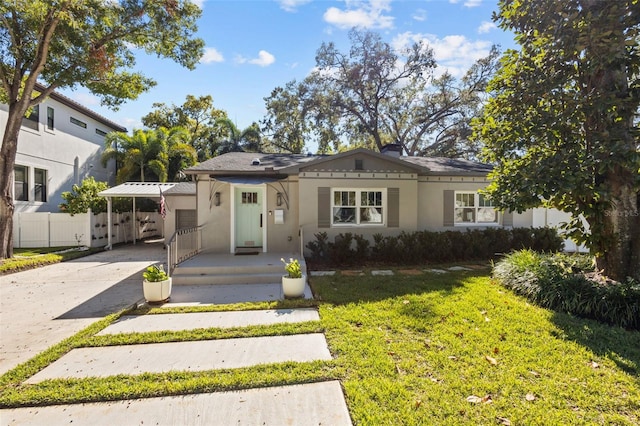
[(358, 206), (474, 211), (25, 185), (44, 186)]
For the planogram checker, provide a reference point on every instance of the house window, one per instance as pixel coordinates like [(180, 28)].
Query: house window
[(101, 132), (50, 118), (21, 183), (40, 185), (249, 198), (33, 119), (357, 207), (472, 207), (78, 122)]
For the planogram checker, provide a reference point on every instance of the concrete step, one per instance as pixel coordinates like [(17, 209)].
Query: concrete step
[(223, 279), (228, 269)]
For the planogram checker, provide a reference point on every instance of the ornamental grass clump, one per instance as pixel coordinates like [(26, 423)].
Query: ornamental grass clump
[(155, 273), (292, 267), (568, 283)]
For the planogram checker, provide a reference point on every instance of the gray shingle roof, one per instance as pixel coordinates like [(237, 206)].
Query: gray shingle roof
[(182, 188), (442, 165), (244, 162)]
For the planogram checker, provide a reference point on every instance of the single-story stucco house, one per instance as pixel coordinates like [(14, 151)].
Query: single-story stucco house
[(277, 202)]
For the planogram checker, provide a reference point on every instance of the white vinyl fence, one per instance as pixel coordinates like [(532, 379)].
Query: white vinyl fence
[(85, 229)]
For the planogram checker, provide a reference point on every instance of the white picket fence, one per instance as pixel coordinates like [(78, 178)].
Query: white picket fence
[(85, 229)]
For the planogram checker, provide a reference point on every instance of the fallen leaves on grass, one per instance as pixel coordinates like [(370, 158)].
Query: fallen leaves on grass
[(477, 400), (491, 360)]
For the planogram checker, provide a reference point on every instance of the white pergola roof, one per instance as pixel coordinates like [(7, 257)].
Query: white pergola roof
[(137, 189), (132, 190)]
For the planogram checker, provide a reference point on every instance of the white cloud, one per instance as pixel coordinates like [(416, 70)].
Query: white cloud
[(264, 59), (468, 3), (486, 27), (472, 3), (453, 53), (86, 99), (361, 14), (211, 54), (292, 5), (420, 15)]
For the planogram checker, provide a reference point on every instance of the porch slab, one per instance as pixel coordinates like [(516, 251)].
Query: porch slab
[(220, 294), (195, 320), (185, 356), (308, 404)]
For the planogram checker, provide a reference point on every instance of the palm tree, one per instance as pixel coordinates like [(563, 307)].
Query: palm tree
[(181, 154), (141, 156), (247, 140)]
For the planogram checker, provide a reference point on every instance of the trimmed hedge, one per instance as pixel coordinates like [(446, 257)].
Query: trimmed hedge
[(558, 282), (430, 247)]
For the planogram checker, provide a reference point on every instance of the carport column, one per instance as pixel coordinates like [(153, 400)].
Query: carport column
[(109, 225), (134, 221)]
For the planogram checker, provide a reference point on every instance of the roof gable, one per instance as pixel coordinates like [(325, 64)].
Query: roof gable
[(361, 159)]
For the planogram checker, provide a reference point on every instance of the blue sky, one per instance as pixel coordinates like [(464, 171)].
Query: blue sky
[(253, 46)]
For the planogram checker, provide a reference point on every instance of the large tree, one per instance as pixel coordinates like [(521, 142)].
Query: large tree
[(66, 43), (562, 125), (198, 116), (373, 95)]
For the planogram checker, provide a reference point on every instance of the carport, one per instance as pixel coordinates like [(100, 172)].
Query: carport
[(132, 190)]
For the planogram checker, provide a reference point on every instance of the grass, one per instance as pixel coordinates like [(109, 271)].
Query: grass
[(30, 258), (408, 350)]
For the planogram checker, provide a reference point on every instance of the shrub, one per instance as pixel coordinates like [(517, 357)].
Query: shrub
[(430, 247), (562, 282)]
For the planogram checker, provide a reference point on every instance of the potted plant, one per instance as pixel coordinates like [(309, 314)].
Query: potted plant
[(294, 282), (156, 285)]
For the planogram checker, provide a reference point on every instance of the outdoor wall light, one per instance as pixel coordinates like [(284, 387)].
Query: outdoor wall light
[(279, 199), (216, 199)]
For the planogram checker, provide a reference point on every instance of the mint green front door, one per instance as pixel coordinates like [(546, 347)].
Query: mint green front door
[(248, 217)]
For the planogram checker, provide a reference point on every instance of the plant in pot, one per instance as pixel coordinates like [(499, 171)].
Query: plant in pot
[(294, 282), (156, 285)]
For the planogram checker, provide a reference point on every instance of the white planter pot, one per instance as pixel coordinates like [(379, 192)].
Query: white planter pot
[(293, 287), (157, 291)]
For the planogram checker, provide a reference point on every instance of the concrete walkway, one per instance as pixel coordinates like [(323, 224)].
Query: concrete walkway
[(42, 307)]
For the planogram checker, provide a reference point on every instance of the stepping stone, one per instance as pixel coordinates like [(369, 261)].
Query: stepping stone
[(305, 404), (382, 272), (185, 356), (322, 273), (192, 321), (436, 271), (459, 268), (352, 273), (410, 272)]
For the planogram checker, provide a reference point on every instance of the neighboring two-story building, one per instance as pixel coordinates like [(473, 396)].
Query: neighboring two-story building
[(59, 145)]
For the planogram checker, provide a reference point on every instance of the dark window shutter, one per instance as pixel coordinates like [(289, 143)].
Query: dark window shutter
[(324, 207), (507, 218), (449, 200), (393, 207)]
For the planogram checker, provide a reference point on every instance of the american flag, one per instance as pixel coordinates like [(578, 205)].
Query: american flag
[(163, 208)]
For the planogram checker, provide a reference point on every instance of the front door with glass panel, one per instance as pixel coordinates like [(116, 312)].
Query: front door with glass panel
[(248, 217)]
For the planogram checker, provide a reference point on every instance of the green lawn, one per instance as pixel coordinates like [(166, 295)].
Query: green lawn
[(30, 258), (409, 350)]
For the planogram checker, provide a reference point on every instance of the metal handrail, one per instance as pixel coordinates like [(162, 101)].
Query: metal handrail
[(183, 244)]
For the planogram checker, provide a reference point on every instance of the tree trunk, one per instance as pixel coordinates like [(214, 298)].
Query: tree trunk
[(7, 161), (619, 249)]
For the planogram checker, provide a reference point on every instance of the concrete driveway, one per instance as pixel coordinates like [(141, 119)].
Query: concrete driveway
[(41, 307)]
